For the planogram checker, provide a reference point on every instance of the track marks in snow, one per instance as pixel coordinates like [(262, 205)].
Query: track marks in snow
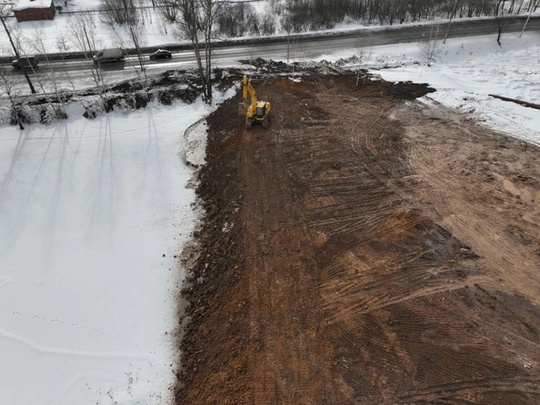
[(56, 351)]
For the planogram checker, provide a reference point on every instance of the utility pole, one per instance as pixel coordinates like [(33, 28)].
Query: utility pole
[(532, 7), (450, 21), (288, 45)]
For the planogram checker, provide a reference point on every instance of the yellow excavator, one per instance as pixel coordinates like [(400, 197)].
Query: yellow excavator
[(257, 111)]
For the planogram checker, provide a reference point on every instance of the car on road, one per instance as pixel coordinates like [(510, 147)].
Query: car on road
[(25, 62), (161, 54)]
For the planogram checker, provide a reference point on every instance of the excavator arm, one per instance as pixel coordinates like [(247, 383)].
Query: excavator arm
[(257, 111), (249, 92)]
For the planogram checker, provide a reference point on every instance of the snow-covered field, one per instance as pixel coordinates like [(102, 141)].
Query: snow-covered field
[(466, 71), (93, 213), (57, 36), (92, 217)]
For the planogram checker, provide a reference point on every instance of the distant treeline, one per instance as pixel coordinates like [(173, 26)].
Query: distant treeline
[(234, 19), (294, 16)]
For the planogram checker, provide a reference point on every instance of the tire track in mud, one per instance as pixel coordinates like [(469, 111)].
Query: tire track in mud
[(474, 219), (453, 390), (367, 225), (380, 163), (353, 283), (283, 368)]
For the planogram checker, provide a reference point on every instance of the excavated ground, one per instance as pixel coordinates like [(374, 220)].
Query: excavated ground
[(365, 249)]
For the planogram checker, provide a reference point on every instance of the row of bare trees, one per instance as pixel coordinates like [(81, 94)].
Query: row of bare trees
[(190, 19), (239, 18), (80, 35)]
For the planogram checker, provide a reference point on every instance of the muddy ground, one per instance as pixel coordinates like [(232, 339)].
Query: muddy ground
[(365, 249)]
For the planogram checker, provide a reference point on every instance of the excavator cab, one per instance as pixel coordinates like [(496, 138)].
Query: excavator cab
[(261, 109), (257, 111)]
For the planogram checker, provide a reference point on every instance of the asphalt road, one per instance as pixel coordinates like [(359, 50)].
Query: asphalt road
[(294, 47)]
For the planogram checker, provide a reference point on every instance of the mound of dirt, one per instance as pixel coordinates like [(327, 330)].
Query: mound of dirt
[(365, 249)]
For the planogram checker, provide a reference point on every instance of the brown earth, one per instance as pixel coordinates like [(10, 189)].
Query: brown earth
[(365, 249)]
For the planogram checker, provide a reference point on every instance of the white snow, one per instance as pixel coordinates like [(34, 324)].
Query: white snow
[(92, 213), (57, 35), (465, 71), (26, 4)]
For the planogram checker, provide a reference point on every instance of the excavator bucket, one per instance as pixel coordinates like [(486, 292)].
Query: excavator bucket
[(242, 107)]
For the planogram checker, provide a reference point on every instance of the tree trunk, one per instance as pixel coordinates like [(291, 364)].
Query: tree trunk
[(32, 89)]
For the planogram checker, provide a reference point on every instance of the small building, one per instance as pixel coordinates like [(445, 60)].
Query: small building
[(34, 10)]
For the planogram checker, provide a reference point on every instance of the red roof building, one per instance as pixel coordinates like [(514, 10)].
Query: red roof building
[(34, 10)]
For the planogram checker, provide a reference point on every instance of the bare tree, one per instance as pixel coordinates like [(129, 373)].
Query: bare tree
[(9, 85), (363, 57), (3, 14), (62, 46), (430, 46), (133, 23), (502, 23), (82, 33), (267, 24), (168, 9), (134, 33), (233, 19), (135, 37), (118, 12), (197, 23), (51, 75)]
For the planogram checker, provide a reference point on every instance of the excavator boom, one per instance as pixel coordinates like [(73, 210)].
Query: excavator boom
[(257, 111), (249, 92)]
